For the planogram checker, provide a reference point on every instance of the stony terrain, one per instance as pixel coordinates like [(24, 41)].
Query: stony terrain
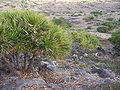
[(78, 71), (74, 12)]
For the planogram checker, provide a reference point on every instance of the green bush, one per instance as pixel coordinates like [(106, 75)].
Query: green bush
[(111, 24), (97, 13), (103, 29), (110, 19), (28, 31), (89, 18), (87, 40), (62, 22), (115, 39)]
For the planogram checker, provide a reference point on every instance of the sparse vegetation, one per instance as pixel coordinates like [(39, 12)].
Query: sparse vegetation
[(110, 19), (107, 26), (96, 13), (114, 86), (62, 22), (110, 24), (115, 39), (103, 29), (89, 18)]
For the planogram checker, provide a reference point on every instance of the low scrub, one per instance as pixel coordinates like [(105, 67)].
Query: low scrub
[(115, 39), (89, 18), (110, 19), (62, 22), (96, 13), (110, 24), (103, 29), (87, 40), (107, 26)]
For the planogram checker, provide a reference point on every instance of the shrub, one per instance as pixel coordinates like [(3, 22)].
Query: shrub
[(89, 18), (97, 13), (110, 19), (89, 27), (62, 22), (110, 24), (28, 31), (87, 40), (115, 39), (103, 29)]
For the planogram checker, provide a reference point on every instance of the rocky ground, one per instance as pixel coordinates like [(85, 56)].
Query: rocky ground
[(78, 72), (74, 12)]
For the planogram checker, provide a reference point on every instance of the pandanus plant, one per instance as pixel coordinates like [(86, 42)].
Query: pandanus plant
[(30, 32)]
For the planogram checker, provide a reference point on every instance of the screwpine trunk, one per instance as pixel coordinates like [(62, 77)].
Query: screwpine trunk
[(14, 65)]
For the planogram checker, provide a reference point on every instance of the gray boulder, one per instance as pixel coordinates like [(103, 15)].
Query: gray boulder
[(103, 73), (20, 84)]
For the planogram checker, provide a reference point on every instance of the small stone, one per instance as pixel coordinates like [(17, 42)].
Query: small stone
[(75, 78), (52, 66), (67, 79), (53, 86)]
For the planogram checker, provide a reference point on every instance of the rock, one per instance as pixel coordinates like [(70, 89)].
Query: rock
[(82, 72), (76, 49), (7, 86), (52, 66), (75, 78), (13, 78), (75, 88), (22, 83), (44, 63), (105, 81), (21, 56), (54, 86), (75, 57), (103, 73), (67, 79)]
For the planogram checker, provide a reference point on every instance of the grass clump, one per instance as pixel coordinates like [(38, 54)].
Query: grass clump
[(103, 29), (110, 19), (62, 22), (110, 24), (115, 39), (28, 31), (87, 40), (88, 18), (96, 13), (107, 26)]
